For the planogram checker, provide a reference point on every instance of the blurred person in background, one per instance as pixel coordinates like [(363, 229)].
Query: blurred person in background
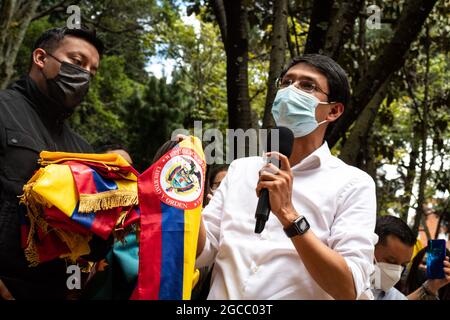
[(393, 252)]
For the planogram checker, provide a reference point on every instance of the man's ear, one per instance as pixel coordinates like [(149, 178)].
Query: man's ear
[(39, 57), (335, 112)]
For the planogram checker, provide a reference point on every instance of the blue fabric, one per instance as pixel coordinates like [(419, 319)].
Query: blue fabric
[(118, 280)]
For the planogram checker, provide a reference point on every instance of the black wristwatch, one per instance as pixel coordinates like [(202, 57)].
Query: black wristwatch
[(298, 227)]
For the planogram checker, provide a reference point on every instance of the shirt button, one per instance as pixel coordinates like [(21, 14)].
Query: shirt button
[(14, 140)]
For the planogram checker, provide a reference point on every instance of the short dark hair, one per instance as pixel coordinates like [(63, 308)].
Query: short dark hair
[(336, 77), (111, 146), (51, 38), (390, 225), (166, 147)]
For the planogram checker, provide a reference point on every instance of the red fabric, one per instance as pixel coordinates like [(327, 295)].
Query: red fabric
[(57, 219), (150, 241), (105, 221)]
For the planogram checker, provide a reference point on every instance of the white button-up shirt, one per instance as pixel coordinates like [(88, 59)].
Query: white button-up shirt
[(337, 200)]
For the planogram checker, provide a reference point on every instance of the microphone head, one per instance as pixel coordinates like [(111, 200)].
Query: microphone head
[(280, 139)]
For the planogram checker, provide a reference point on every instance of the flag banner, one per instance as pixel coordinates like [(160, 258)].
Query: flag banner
[(72, 197), (170, 201)]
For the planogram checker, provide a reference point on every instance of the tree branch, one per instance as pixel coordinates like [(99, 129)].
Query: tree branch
[(388, 62), (318, 25), (221, 17), (48, 11), (412, 95)]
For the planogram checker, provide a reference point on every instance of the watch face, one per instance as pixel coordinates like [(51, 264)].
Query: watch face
[(303, 225), (298, 227)]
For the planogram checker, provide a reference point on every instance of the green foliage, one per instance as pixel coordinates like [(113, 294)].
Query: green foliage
[(200, 64), (23, 60), (152, 118), (100, 118)]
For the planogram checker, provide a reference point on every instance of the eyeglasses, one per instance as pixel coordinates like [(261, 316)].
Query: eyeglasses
[(305, 85)]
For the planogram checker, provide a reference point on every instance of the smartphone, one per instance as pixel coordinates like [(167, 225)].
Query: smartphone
[(435, 259)]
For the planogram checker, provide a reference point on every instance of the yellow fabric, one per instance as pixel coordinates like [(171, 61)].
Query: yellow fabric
[(110, 160), (54, 184), (195, 278), (191, 229), (55, 187), (417, 247)]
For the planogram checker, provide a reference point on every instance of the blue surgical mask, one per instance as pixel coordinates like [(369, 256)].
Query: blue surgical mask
[(296, 110)]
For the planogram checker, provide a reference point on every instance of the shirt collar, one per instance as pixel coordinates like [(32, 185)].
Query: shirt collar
[(315, 159)]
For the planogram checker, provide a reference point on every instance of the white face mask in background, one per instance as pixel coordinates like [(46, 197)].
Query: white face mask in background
[(386, 275)]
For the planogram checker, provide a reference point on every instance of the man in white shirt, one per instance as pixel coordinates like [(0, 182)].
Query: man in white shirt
[(331, 259)]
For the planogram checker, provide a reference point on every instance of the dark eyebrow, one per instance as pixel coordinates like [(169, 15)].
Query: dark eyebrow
[(73, 53), (290, 76)]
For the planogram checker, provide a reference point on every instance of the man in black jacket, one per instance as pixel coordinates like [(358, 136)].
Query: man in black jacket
[(33, 111)]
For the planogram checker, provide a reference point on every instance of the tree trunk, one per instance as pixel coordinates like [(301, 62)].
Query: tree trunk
[(341, 28), (221, 17), (15, 17), (331, 25), (441, 218), (410, 177), (425, 228), (362, 55), (277, 53), (318, 25), (389, 61), (355, 144), (423, 136), (236, 46)]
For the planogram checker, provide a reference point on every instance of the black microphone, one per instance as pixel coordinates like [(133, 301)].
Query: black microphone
[(284, 139)]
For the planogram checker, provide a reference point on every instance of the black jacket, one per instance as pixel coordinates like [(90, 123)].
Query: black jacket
[(29, 124)]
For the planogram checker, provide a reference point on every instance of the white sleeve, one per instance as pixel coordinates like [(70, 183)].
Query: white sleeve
[(352, 234), (212, 217)]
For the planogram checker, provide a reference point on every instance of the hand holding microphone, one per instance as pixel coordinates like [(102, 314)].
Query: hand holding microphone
[(275, 183)]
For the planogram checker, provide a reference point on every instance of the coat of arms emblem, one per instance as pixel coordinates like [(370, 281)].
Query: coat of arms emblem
[(178, 178)]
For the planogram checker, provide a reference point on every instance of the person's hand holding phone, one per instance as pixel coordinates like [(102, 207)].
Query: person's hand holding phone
[(435, 284), (438, 265)]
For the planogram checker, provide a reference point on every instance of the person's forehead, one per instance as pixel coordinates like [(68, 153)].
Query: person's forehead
[(71, 44), (305, 70), (396, 248)]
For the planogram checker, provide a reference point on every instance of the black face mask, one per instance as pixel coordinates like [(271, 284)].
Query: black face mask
[(70, 86)]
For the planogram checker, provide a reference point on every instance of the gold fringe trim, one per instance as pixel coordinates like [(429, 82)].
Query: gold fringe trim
[(77, 244), (107, 200), (34, 213)]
